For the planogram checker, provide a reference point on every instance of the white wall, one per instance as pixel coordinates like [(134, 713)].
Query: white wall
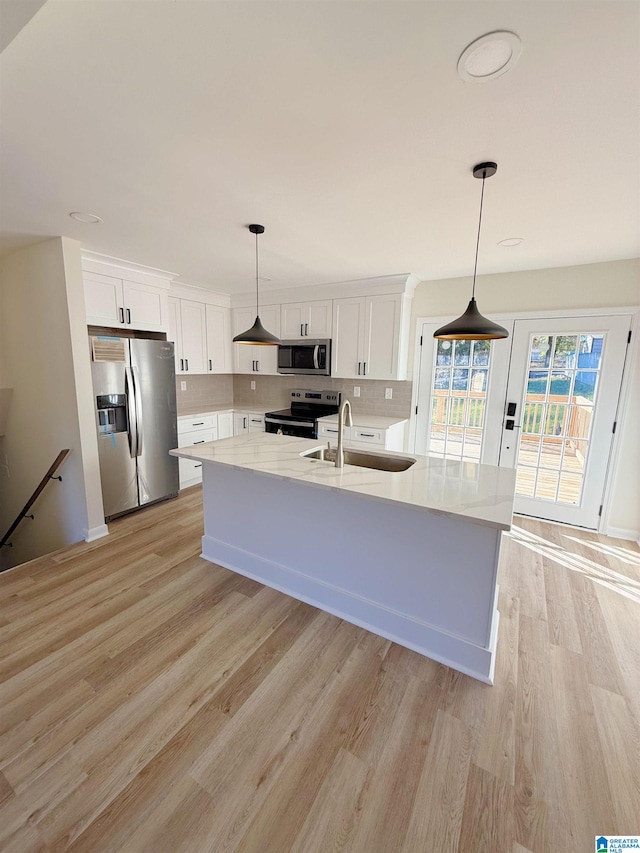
[(43, 355), (607, 285)]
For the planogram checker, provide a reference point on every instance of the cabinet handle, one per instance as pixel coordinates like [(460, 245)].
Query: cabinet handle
[(301, 329), (200, 423), (306, 328), (210, 365), (367, 435), (364, 369), (359, 363), (199, 465), (199, 442), (244, 423), (257, 367), (186, 364), (128, 316), (121, 314), (182, 364)]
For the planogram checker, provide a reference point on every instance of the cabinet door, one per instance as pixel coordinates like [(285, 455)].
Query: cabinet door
[(103, 300), (145, 306), (218, 340), (382, 336), (225, 424), (194, 336), (240, 424), (243, 354), (175, 331), (348, 337), (267, 357), (293, 317), (256, 423), (319, 319)]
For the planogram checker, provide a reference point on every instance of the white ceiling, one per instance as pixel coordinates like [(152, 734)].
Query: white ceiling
[(341, 126)]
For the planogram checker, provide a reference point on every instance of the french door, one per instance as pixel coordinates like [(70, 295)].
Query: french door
[(542, 402)]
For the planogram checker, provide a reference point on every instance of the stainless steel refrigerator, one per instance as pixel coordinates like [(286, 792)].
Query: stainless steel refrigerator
[(135, 399)]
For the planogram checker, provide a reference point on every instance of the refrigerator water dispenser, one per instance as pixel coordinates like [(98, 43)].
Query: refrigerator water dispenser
[(112, 413)]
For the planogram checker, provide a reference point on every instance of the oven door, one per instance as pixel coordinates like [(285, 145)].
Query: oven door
[(305, 357), (301, 429)]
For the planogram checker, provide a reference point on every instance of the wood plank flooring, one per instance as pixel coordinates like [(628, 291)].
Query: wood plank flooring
[(154, 702)]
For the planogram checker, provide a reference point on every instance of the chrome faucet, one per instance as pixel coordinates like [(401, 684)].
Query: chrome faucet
[(345, 406)]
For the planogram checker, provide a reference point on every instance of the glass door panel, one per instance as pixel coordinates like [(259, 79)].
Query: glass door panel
[(567, 394)]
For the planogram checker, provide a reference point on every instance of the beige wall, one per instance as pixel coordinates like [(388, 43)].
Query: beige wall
[(607, 285), (41, 300)]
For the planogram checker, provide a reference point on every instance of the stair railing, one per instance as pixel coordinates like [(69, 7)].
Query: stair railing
[(24, 512)]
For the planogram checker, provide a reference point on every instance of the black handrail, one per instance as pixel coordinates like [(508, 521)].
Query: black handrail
[(34, 497)]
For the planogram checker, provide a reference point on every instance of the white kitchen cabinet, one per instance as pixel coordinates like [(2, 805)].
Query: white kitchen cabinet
[(118, 303), (188, 329), (306, 319), (195, 430), (225, 424), (256, 359), (366, 337), (364, 437), (218, 321), (248, 422)]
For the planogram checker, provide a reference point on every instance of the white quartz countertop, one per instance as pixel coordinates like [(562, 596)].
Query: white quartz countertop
[(369, 421), (483, 494)]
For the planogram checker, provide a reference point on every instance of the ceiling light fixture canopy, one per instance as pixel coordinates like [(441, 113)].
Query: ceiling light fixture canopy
[(472, 326), (257, 334)]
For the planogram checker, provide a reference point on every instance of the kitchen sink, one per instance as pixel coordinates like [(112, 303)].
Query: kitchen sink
[(363, 459)]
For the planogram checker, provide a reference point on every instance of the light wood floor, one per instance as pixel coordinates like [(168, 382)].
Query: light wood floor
[(154, 702)]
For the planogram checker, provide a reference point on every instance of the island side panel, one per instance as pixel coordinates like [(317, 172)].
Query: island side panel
[(425, 580)]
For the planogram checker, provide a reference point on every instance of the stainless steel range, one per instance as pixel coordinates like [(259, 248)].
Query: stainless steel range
[(302, 418)]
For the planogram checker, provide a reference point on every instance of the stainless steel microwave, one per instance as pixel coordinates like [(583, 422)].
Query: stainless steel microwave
[(306, 356)]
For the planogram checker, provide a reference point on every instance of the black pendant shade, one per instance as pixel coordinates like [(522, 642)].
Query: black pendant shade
[(257, 335), (472, 326)]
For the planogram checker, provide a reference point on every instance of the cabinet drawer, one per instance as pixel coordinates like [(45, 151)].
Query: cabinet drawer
[(190, 472), (197, 423), (331, 431), (199, 436), (368, 436), (256, 423)]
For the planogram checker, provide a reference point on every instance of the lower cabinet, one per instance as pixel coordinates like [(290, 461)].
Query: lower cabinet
[(365, 438), (248, 422), (198, 429)]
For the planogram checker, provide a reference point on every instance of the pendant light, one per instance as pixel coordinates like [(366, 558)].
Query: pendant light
[(472, 326), (257, 334)]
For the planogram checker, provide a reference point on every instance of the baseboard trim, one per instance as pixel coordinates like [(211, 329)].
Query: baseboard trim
[(623, 533), (96, 533)]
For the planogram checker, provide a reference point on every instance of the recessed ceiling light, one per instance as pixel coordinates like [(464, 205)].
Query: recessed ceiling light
[(85, 217), (489, 56), (511, 241)]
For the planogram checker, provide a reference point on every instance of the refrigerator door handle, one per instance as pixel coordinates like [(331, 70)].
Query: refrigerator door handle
[(138, 396), (132, 412)]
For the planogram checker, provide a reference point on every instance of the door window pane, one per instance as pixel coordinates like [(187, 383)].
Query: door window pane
[(558, 405), (458, 397)]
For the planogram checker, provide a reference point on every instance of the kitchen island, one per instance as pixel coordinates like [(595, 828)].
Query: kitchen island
[(411, 555)]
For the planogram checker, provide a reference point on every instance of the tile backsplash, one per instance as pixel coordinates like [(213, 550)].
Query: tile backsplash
[(207, 391), (274, 391), (203, 392)]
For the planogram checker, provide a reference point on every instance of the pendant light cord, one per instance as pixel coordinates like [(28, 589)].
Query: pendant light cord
[(257, 300), (475, 266)]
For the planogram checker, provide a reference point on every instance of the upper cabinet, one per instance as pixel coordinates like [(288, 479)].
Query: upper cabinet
[(306, 319), (369, 337), (219, 339), (117, 302), (201, 332), (256, 359)]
